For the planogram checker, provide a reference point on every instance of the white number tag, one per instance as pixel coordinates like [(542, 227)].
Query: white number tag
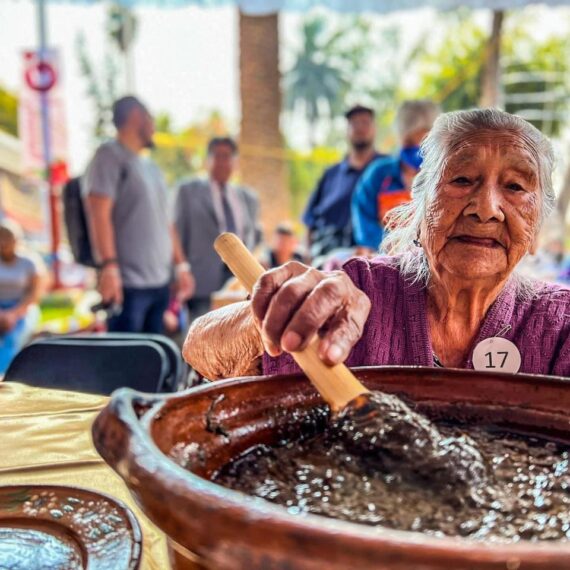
[(497, 354)]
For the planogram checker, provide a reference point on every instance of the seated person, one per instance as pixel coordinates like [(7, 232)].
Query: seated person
[(20, 290), (388, 181), (283, 248), (447, 288)]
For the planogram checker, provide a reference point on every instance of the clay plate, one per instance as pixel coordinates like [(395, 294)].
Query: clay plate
[(50, 527)]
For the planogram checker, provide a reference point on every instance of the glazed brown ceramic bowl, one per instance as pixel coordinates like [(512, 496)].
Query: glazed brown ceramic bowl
[(209, 526)]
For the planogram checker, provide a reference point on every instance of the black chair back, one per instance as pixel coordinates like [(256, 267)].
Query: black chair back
[(94, 367), (174, 379)]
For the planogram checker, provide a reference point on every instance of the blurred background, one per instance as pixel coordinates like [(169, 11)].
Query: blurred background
[(277, 75)]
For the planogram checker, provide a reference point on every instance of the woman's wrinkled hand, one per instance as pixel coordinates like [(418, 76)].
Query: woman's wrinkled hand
[(293, 303), (224, 343)]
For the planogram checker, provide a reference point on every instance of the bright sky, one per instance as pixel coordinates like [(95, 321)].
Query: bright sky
[(186, 59)]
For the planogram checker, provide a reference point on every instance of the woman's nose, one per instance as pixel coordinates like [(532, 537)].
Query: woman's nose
[(486, 203)]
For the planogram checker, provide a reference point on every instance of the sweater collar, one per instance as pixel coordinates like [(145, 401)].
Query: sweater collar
[(497, 321)]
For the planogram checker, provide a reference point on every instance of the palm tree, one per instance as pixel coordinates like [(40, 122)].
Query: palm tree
[(103, 85), (263, 165), (8, 112), (122, 27), (325, 69)]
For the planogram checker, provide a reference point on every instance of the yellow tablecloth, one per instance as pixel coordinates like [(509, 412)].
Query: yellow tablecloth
[(45, 438)]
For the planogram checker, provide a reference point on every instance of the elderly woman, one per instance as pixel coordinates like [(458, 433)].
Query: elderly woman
[(448, 295)]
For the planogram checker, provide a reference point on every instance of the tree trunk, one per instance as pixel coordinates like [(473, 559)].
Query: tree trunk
[(263, 165), (491, 78)]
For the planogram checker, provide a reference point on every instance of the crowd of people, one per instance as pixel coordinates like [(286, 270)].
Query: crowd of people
[(156, 264), (147, 257), (154, 259)]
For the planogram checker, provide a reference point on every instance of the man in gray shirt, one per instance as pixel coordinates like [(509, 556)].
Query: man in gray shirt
[(131, 233)]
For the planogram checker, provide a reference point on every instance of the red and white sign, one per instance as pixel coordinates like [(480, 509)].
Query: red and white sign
[(41, 79), (40, 75)]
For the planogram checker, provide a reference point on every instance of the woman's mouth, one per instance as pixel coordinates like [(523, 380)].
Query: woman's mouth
[(479, 241)]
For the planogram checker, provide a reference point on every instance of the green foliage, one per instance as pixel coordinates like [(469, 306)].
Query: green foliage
[(305, 170), (535, 73), (181, 153), (333, 68), (326, 69), (102, 85), (122, 26), (450, 72), (172, 153), (537, 80), (175, 163), (387, 90), (101, 89), (8, 112)]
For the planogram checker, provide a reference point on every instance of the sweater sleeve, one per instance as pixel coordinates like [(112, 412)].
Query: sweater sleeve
[(562, 362)]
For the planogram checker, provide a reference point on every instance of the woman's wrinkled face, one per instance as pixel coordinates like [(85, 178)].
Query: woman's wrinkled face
[(485, 215)]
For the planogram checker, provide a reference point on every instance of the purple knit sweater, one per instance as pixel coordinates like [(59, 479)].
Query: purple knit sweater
[(397, 330)]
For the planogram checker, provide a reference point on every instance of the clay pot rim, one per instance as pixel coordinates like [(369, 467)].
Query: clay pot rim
[(254, 508)]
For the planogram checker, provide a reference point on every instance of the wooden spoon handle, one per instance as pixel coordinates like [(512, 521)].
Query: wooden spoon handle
[(336, 384)]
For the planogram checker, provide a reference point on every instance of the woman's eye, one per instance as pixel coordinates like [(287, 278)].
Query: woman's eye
[(515, 187), (461, 181)]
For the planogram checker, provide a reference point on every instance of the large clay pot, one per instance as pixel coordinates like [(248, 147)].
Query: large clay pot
[(212, 527)]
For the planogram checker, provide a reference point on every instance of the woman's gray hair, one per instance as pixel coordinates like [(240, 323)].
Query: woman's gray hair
[(414, 115), (448, 131)]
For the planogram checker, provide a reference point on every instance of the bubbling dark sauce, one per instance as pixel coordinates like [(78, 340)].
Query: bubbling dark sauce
[(382, 430), (467, 481)]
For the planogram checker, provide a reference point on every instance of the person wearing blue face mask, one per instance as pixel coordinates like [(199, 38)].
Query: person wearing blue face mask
[(327, 214), (388, 181)]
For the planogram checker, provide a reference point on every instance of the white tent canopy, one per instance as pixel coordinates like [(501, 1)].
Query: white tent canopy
[(380, 6), (260, 7)]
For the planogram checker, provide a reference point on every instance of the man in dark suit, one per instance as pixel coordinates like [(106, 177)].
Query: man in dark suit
[(207, 207)]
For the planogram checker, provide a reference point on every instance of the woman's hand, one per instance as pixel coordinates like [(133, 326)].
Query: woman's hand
[(294, 302), (224, 343)]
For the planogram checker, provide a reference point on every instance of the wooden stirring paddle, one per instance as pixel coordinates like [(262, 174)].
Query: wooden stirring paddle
[(383, 429), (337, 384)]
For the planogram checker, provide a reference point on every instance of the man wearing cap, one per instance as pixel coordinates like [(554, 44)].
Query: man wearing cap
[(388, 181), (327, 215)]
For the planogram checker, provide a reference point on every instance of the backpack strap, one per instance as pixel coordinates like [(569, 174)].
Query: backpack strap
[(123, 175)]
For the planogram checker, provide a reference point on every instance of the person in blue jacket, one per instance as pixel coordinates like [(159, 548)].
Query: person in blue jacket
[(327, 215), (388, 180)]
